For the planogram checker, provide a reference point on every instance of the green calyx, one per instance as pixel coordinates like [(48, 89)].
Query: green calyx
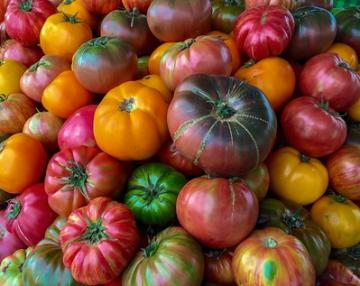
[(271, 243), (151, 249), (99, 42), (77, 178), (263, 18), (214, 253), (95, 232), (304, 158), (15, 209), (293, 220), (41, 63), (133, 14), (68, 2), (72, 19), (127, 105), (354, 252), (187, 44), (249, 63), (26, 5), (231, 3), (339, 198), (223, 110), (3, 97)]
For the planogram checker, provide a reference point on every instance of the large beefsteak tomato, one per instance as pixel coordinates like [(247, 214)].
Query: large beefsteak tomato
[(13, 50), (10, 74), (11, 268), (225, 13), (218, 268), (222, 117), (98, 241)]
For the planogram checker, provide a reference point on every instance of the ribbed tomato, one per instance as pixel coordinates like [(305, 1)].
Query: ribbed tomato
[(225, 14), (218, 268)]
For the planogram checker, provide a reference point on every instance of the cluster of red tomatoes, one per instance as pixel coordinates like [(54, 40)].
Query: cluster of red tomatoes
[(179, 142)]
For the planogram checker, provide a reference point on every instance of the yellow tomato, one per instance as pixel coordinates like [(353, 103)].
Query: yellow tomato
[(77, 7), (346, 53), (156, 56), (339, 218), (354, 111), (10, 74), (297, 178), (155, 81)]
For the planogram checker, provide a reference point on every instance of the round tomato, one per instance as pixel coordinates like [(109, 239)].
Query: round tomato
[(172, 250), (22, 162), (10, 74), (15, 108), (225, 13), (258, 181), (273, 76), (154, 81), (346, 53), (271, 257), (64, 95), (297, 178), (98, 241), (218, 267), (354, 111), (77, 7), (156, 56), (11, 268), (202, 199), (141, 5), (102, 7), (264, 31), (135, 112), (103, 63), (312, 127), (222, 117), (339, 218)]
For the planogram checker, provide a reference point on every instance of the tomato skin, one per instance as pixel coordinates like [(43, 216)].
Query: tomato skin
[(107, 238), (72, 7), (142, 67), (156, 56), (10, 74), (141, 5), (346, 53), (178, 20), (22, 162), (288, 4), (265, 22), (102, 7), (271, 256), (202, 198), (218, 267), (29, 215), (225, 13), (306, 124), (337, 274), (154, 81), (15, 108), (339, 218), (258, 181), (354, 111)]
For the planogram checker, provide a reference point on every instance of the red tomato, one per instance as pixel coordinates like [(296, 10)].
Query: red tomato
[(98, 241), (328, 78), (29, 215), (101, 7), (264, 31), (141, 5), (312, 127), (201, 201), (218, 267)]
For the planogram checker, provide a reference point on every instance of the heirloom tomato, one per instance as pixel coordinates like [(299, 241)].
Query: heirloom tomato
[(339, 218), (15, 108), (77, 7), (178, 258), (202, 199), (24, 19), (258, 181), (288, 4), (11, 268), (350, 257), (346, 53), (103, 63), (218, 267), (62, 34), (10, 74), (273, 76), (272, 257), (64, 95), (13, 50), (141, 5), (264, 31), (178, 20), (102, 7), (295, 177), (338, 274), (41, 74), (354, 111), (312, 127), (22, 162), (29, 215), (154, 81), (98, 241), (296, 220), (156, 56), (225, 13), (135, 112), (222, 117)]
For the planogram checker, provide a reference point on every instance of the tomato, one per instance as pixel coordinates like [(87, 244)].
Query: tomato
[(354, 111), (152, 192), (225, 13), (288, 4), (64, 95), (201, 199), (271, 257), (218, 267), (78, 129), (313, 127), (103, 63), (178, 20), (346, 53), (15, 108), (135, 112), (295, 220), (222, 117), (297, 178), (258, 181), (339, 218), (315, 31), (22, 162), (328, 78), (273, 76), (24, 19), (98, 241), (141, 5), (349, 257), (130, 26), (337, 274), (10, 74), (62, 34), (264, 31), (13, 50), (77, 7), (142, 67), (172, 250), (101, 7), (37, 77), (9, 242), (156, 56), (154, 81)]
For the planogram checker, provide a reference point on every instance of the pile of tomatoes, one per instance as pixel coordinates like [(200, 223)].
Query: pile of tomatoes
[(179, 142)]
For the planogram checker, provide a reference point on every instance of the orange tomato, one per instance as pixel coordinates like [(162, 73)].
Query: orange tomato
[(10, 74), (22, 162), (61, 35), (346, 53), (274, 76), (130, 122), (354, 111), (156, 56), (155, 81), (77, 7), (230, 43), (64, 95)]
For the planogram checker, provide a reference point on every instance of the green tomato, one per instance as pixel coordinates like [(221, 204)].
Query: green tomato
[(12, 266)]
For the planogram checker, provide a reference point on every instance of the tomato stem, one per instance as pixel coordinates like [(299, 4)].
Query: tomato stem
[(338, 197), (223, 110), (293, 220), (101, 41), (127, 105), (3, 97), (304, 158), (271, 243), (95, 232), (133, 14), (26, 5), (78, 177), (15, 209), (72, 19), (41, 63), (151, 249), (68, 2), (216, 253)]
